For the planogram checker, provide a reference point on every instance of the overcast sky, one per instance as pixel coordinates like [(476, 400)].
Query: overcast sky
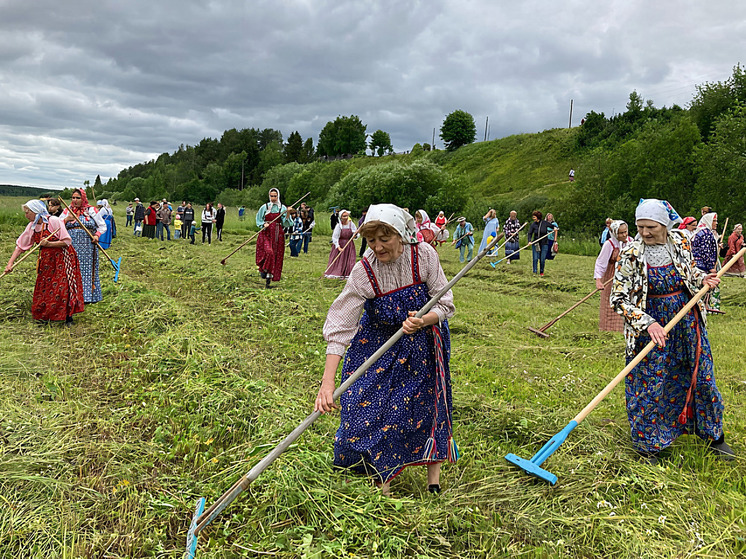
[(90, 87)]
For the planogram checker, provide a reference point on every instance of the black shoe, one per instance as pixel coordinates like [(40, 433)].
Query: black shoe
[(69, 321), (263, 274), (269, 279), (434, 488), (722, 451)]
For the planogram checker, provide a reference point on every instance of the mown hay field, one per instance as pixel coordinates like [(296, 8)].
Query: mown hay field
[(189, 372)]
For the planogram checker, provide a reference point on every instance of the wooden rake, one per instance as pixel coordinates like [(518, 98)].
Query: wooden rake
[(28, 253), (533, 466), (117, 265), (255, 235), (542, 332), (202, 518)]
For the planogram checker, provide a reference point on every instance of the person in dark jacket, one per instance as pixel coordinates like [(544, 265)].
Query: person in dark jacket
[(539, 228), (186, 224), (139, 216), (219, 221)]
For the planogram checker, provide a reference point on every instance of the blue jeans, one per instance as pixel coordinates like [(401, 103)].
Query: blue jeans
[(306, 240), (540, 255), (159, 231), (470, 253), (129, 221), (295, 245)]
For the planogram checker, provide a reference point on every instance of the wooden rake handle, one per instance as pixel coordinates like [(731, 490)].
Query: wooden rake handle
[(576, 305), (651, 344), (111, 260), (344, 248), (29, 252)]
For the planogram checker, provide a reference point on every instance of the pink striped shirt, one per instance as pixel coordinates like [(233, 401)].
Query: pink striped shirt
[(344, 315)]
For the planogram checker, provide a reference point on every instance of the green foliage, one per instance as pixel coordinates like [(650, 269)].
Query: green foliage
[(722, 166), (294, 148), (458, 129), (715, 99), (380, 143), (343, 136), (419, 184), (417, 150), (317, 178)]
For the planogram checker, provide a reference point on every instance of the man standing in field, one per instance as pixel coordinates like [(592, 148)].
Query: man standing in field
[(188, 219), (139, 216)]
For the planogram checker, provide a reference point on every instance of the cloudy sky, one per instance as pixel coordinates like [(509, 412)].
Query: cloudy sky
[(89, 87)]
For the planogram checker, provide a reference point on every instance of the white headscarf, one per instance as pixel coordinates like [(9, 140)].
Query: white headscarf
[(395, 217), (279, 203), (659, 211), (424, 216), (40, 209), (706, 221), (615, 225)]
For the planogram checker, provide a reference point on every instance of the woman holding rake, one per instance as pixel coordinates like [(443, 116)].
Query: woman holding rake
[(608, 320), (58, 293), (399, 412), (85, 247), (672, 392), (270, 244)]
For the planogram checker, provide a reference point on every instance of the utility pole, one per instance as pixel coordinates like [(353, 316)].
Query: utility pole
[(570, 125), (433, 144), (486, 122)]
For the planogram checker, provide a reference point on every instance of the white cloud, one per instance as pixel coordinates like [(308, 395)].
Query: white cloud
[(90, 87)]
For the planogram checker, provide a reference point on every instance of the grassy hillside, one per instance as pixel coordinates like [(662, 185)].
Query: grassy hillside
[(516, 166)]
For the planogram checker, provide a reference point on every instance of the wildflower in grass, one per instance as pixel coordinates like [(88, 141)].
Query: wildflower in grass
[(662, 520)]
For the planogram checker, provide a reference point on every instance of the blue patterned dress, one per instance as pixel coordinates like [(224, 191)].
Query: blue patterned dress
[(662, 401), (398, 413), (87, 256)]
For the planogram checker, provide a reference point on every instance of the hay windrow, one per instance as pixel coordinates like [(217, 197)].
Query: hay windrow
[(189, 372)]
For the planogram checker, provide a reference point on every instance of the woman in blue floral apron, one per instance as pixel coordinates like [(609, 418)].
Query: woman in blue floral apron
[(672, 392), (398, 413)]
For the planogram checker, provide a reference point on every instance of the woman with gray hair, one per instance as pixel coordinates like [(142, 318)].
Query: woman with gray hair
[(672, 391), (58, 293), (399, 412)]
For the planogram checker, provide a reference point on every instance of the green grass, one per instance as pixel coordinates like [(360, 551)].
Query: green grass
[(187, 373)]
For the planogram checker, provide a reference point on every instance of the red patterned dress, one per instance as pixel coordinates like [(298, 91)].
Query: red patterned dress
[(270, 247), (58, 293)]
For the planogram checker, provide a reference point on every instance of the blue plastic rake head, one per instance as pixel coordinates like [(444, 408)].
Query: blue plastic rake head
[(533, 466)]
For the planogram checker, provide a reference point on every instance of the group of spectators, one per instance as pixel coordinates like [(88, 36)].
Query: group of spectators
[(151, 222)]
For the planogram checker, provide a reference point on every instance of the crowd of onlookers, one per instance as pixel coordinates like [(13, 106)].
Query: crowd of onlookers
[(155, 220)]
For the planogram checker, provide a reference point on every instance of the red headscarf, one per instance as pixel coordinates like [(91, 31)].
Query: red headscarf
[(687, 221), (84, 205)]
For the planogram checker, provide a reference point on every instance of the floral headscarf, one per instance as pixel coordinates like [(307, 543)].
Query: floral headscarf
[(615, 225), (659, 211)]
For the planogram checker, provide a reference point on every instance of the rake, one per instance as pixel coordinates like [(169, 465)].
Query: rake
[(533, 466), (255, 235), (201, 519), (542, 332), (116, 265)]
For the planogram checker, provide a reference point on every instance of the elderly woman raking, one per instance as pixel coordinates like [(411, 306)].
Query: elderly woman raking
[(672, 391), (735, 243), (608, 320), (58, 293), (399, 412)]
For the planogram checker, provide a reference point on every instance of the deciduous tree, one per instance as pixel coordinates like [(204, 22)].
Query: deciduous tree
[(458, 130), (380, 143)]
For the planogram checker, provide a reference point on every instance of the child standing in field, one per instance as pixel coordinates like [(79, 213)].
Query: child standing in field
[(296, 236)]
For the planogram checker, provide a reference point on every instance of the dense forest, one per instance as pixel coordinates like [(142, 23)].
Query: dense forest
[(691, 156)]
